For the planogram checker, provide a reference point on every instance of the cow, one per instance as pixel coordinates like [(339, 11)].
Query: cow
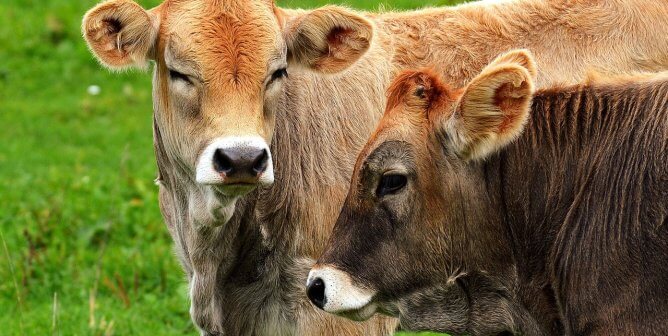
[(495, 208), (260, 110)]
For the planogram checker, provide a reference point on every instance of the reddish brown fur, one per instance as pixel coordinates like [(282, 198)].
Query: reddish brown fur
[(421, 89)]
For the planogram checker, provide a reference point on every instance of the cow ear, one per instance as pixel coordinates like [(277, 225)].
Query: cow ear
[(328, 39), (120, 33), (494, 107)]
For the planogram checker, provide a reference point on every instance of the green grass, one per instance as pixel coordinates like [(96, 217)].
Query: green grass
[(83, 250)]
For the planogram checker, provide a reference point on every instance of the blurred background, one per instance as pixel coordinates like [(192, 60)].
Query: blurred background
[(83, 249)]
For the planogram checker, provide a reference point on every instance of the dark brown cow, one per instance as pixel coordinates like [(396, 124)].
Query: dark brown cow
[(478, 211)]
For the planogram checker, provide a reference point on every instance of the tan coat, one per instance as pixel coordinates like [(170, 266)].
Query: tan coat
[(247, 253)]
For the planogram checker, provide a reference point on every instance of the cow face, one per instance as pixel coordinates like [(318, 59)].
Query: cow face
[(219, 76), (417, 194)]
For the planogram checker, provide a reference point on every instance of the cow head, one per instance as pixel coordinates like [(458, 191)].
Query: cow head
[(219, 75), (417, 207)]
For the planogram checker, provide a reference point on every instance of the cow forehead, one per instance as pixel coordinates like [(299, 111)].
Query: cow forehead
[(400, 124), (403, 128), (231, 41)]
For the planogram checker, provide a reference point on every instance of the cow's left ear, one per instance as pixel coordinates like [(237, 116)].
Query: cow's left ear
[(120, 33), (327, 39), (494, 107)]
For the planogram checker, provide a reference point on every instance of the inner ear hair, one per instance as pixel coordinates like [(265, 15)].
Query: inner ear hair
[(492, 111), (327, 39), (120, 33)]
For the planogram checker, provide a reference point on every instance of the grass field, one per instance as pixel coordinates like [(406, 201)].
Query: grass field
[(83, 250)]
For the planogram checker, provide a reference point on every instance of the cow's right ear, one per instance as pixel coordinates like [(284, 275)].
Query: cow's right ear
[(120, 33), (494, 107), (327, 39)]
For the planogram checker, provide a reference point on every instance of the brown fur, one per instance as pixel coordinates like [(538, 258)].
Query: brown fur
[(561, 232), (247, 274)]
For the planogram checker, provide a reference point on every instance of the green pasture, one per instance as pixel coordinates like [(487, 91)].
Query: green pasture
[(83, 250)]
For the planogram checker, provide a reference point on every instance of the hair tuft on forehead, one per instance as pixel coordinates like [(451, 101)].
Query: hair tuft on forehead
[(418, 88)]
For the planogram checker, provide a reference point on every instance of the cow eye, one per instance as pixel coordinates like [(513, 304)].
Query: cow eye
[(278, 74), (390, 184), (175, 75)]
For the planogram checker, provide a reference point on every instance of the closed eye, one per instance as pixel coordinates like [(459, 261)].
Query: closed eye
[(278, 74), (177, 76)]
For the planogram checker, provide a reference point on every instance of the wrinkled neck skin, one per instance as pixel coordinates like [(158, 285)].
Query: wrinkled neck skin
[(573, 188), (545, 189), (188, 214)]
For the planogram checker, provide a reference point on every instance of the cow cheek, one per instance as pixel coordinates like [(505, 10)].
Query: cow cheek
[(411, 255)]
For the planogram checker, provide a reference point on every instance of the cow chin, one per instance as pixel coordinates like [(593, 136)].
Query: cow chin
[(210, 208), (361, 314), (222, 207)]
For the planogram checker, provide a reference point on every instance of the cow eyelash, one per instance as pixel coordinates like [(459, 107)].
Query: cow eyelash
[(175, 75), (278, 74)]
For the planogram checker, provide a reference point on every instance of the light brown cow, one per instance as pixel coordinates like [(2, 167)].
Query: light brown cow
[(454, 226), (228, 119)]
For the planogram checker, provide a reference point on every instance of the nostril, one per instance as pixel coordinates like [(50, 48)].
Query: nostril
[(260, 164), (316, 293), (221, 162)]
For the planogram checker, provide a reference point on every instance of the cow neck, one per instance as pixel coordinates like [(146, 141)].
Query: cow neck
[(575, 137), (538, 181), (540, 172), (433, 37)]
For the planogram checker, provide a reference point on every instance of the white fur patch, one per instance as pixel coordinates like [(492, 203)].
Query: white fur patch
[(341, 294)]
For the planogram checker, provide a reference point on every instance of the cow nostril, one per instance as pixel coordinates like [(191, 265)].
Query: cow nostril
[(316, 293), (260, 164), (221, 162)]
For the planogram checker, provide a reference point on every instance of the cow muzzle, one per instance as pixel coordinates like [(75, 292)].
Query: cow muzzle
[(334, 291), (236, 162)]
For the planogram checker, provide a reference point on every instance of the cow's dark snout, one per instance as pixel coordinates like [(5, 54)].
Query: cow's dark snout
[(316, 292), (241, 163)]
